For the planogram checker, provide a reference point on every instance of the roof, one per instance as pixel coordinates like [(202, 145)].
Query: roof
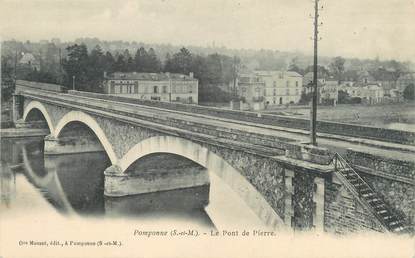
[(27, 58), (406, 76), (150, 76), (286, 73)]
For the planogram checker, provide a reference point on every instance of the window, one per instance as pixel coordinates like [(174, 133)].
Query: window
[(275, 84), (155, 89), (136, 88), (275, 92), (190, 88), (296, 83), (288, 92), (190, 99), (297, 92), (177, 98), (257, 89), (288, 83), (164, 89)]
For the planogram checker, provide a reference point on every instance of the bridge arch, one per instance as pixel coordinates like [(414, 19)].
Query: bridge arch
[(49, 182), (78, 116), (39, 106), (211, 161)]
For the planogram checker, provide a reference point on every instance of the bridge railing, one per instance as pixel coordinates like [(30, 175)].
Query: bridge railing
[(22, 85), (368, 132)]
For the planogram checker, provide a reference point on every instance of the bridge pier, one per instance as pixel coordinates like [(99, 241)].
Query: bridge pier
[(150, 181), (71, 144), (17, 109), (289, 212), (20, 123), (318, 199)]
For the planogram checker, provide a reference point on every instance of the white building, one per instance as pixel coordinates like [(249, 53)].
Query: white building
[(369, 94), (169, 87), (281, 87)]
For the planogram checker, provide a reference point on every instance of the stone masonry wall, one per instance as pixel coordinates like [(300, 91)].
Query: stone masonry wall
[(399, 196), (343, 213), (393, 180), (303, 204)]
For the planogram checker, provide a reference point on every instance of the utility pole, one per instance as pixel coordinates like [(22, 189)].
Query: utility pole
[(60, 67), (234, 77), (15, 66), (313, 110)]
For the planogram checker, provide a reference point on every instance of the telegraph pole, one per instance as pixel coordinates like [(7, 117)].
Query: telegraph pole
[(60, 67), (313, 110)]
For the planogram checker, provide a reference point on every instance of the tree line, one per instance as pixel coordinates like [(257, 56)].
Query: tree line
[(85, 69), (215, 68)]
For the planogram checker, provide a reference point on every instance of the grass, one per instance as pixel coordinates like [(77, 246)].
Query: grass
[(376, 115)]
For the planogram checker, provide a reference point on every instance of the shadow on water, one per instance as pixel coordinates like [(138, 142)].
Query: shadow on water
[(74, 184)]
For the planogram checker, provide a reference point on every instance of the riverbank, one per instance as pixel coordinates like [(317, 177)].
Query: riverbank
[(22, 132)]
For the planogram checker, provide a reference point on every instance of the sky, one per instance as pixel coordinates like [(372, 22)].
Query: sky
[(351, 28)]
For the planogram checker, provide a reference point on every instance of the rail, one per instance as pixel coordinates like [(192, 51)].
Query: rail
[(381, 211)]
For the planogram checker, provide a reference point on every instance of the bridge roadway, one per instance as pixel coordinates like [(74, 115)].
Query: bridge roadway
[(334, 143)]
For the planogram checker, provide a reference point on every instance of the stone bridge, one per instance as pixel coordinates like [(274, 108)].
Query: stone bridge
[(285, 182)]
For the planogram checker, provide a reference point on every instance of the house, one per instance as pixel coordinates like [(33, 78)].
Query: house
[(169, 87), (364, 77), (369, 94), (329, 92), (404, 80), (251, 90), (308, 81), (281, 87), (29, 60)]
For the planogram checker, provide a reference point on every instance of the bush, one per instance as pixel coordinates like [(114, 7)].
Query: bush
[(213, 94), (409, 93)]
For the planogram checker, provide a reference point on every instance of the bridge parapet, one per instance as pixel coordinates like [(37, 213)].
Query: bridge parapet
[(368, 132)]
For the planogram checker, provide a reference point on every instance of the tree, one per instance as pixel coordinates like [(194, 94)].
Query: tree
[(409, 92), (120, 64), (153, 63), (109, 62), (293, 67), (168, 65), (40, 76), (337, 67), (181, 62), (344, 97), (76, 64), (140, 60), (321, 70), (7, 81), (96, 69)]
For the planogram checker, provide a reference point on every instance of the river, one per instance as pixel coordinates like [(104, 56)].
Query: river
[(73, 185)]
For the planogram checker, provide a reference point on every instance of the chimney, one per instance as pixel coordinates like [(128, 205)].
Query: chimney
[(191, 75)]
